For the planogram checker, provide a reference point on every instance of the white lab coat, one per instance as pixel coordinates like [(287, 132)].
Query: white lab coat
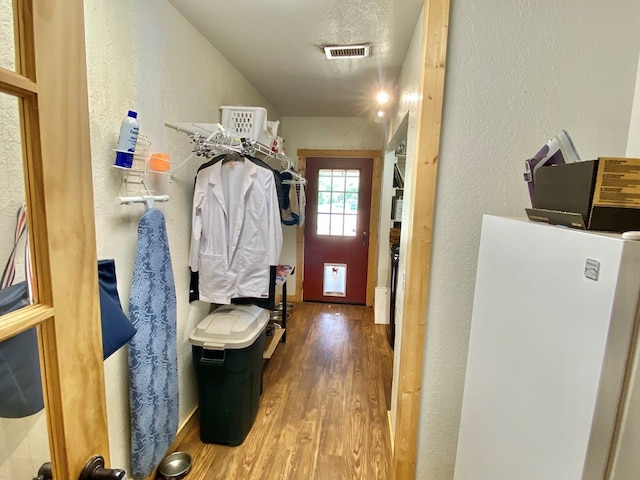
[(236, 231)]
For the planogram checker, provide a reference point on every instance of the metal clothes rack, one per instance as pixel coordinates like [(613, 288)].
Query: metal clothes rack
[(211, 139)]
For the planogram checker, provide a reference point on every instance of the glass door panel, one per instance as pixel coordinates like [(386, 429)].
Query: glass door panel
[(24, 446), (7, 36), (14, 243), (24, 440), (337, 212)]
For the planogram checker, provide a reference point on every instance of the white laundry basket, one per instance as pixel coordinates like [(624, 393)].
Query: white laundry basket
[(248, 122)]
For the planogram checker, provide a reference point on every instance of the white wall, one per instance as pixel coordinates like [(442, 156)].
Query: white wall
[(143, 55), (12, 193), (12, 182), (407, 108), (633, 143), (517, 73), (382, 299), (323, 133), (330, 133), (627, 463)]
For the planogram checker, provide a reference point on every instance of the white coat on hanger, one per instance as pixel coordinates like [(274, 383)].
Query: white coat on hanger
[(236, 231)]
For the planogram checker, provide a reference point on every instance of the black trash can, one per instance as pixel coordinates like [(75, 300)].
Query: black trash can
[(227, 349)]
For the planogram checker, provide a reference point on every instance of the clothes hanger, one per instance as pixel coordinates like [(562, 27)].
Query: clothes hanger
[(296, 178)]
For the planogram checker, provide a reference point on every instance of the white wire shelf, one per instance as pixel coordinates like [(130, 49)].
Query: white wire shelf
[(211, 139)]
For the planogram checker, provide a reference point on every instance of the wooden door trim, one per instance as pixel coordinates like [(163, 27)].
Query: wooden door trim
[(51, 86), (60, 177), (419, 236), (376, 179), (16, 84), (20, 320), (299, 273)]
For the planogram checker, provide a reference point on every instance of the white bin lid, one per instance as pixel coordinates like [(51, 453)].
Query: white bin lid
[(230, 326)]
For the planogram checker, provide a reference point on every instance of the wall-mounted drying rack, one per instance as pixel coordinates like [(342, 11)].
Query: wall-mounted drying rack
[(211, 139)]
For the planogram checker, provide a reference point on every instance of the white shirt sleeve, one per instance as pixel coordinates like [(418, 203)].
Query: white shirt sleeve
[(196, 222)]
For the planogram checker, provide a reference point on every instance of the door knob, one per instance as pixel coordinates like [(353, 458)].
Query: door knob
[(94, 470), (45, 472)]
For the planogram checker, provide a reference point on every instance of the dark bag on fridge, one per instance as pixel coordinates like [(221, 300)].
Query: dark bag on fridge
[(20, 382), (117, 330), (14, 297)]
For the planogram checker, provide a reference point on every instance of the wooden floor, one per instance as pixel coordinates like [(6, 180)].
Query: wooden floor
[(323, 410)]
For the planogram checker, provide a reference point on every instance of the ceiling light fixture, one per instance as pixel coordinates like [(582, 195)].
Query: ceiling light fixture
[(382, 97), (362, 50)]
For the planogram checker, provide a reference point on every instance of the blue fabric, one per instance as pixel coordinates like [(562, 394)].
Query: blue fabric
[(20, 378), (20, 381), (14, 297), (153, 359), (117, 330)]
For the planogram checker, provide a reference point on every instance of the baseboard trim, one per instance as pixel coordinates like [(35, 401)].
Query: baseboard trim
[(183, 429)]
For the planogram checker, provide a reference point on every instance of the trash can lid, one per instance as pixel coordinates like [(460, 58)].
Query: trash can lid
[(230, 326)]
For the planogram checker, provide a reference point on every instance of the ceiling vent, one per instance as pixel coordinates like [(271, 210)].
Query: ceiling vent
[(347, 51)]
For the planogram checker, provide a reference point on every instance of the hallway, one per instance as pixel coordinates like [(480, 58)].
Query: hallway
[(323, 410)]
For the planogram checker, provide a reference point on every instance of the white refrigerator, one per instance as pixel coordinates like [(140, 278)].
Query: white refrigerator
[(550, 389)]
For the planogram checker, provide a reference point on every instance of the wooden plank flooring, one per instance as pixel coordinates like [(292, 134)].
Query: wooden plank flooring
[(323, 410)]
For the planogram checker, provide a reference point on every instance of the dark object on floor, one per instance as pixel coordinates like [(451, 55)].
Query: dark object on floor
[(175, 466)]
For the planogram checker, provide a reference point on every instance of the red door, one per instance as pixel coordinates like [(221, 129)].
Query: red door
[(337, 229)]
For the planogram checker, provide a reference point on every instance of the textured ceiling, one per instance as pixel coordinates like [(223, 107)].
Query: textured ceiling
[(276, 45)]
